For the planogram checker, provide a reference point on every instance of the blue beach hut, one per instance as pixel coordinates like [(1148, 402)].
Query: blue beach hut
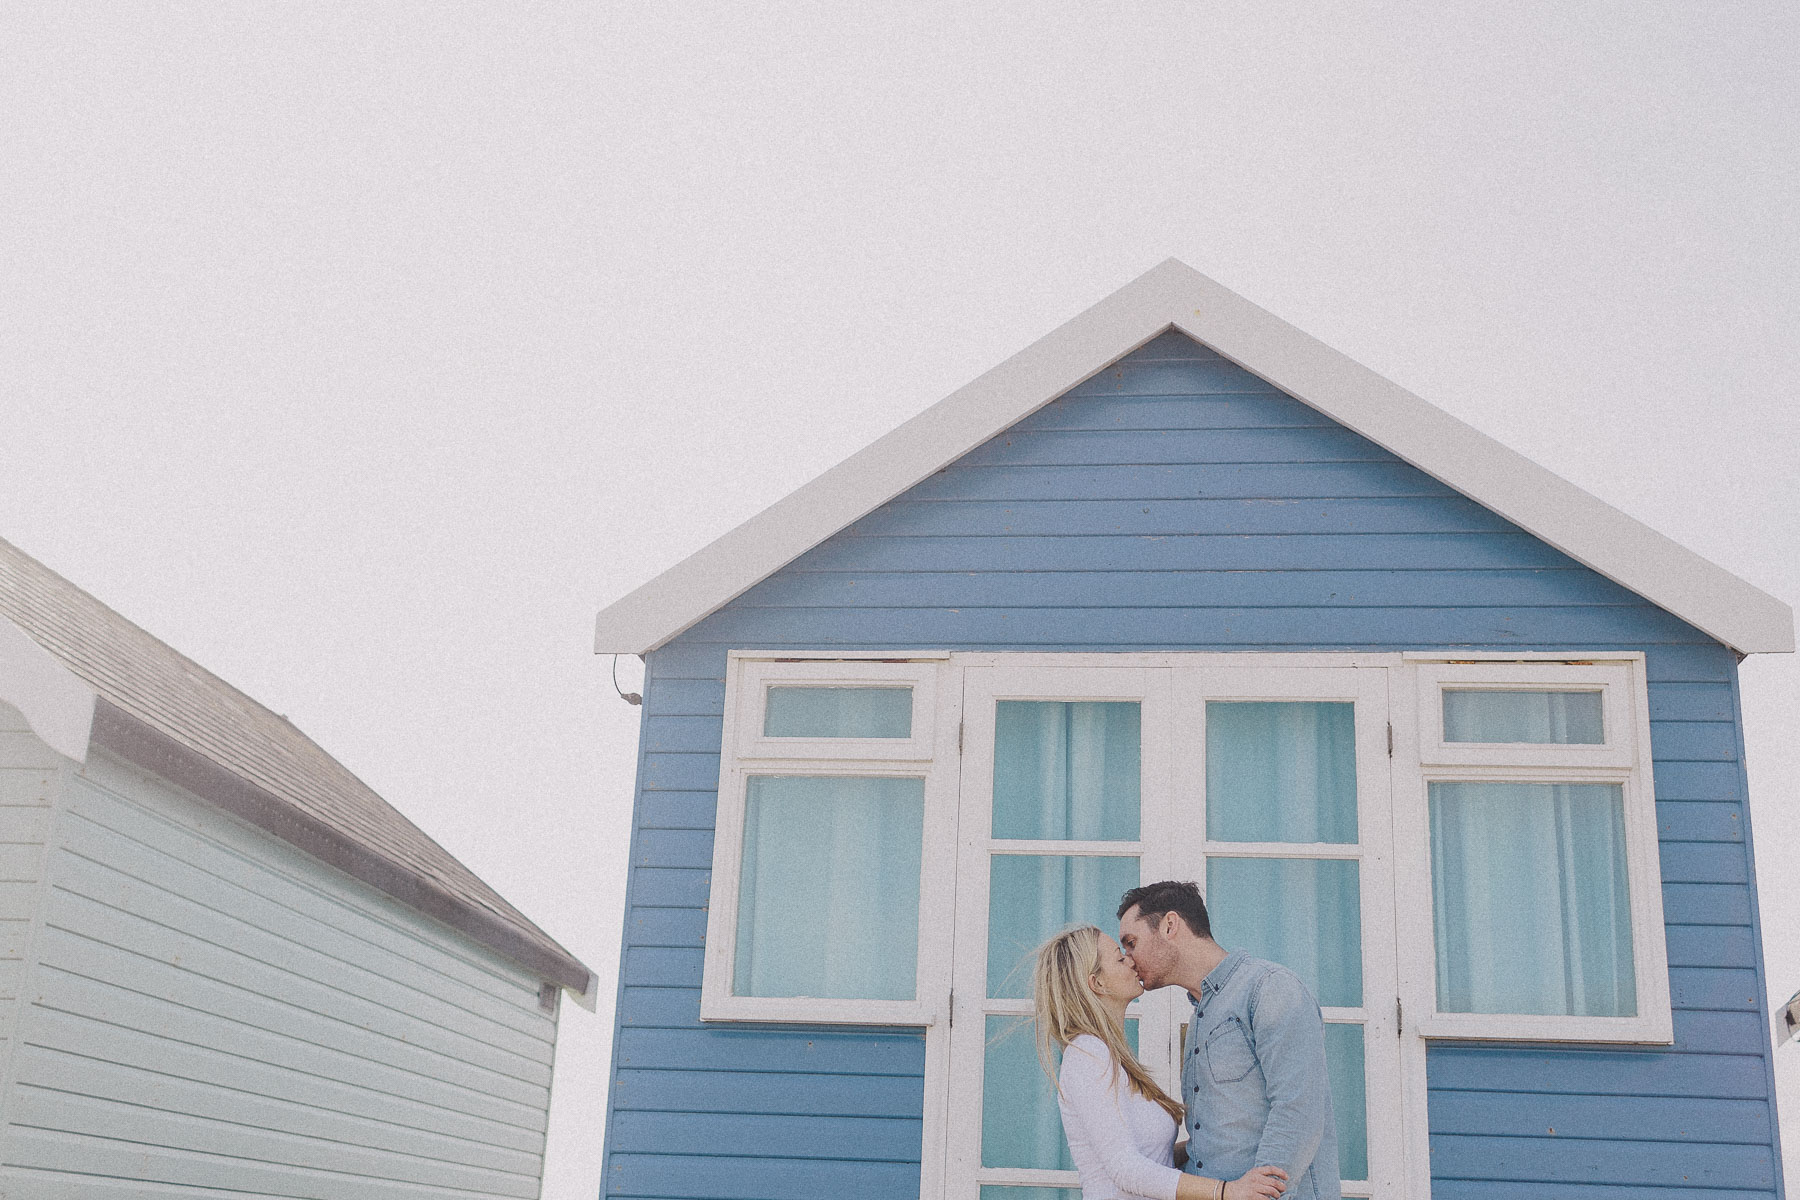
[(1179, 591)]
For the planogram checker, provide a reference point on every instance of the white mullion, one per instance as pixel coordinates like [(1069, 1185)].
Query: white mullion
[(1341, 850), (1067, 849)]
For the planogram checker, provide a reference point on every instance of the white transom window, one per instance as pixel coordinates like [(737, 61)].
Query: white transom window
[(1440, 849)]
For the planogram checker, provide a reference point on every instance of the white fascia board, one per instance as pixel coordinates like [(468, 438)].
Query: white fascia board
[(1581, 525), (1175, 295), (57, 705), (714, 576)]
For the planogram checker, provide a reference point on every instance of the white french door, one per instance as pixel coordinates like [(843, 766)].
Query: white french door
[(1081, 781)]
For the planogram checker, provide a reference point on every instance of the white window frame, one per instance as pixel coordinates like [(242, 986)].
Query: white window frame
[(1418, 756), (756, 676), (745, 752), (1423, 758)]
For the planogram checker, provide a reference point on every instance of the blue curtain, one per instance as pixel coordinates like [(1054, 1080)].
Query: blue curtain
[(1282, 771), (828, 902), (1541, 718), (1067, 770), (1530, 899)]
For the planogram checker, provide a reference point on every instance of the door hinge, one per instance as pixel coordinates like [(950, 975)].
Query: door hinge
[(1390, 739), (959, 735), (952, 1008), (1399, 1018)]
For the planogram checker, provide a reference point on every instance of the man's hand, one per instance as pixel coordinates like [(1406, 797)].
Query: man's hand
[(1258, 1183)]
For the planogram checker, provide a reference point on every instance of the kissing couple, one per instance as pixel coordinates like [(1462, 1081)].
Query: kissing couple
[(1255, 1101)]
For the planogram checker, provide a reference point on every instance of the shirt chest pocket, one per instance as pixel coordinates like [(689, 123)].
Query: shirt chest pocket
[(1228, 1054)]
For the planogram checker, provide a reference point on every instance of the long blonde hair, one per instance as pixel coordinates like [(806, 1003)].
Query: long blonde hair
[(1066, 1008)]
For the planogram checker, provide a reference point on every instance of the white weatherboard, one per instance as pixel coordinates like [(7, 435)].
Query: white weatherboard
[(1175, 296)]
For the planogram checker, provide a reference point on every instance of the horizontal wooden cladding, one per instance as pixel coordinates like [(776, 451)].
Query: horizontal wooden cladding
[(1477, 1189), (245, 874), (678, 810), (1086, 447), (1710, 946), (1698, 821), (1704, 862), (700, 1176), (730, 1093), (108, 907), (1660, 1118), (1706, 904), (365, 1062), (211, 1011), (1155, 413), (659, 1007), (49, 1149), (1164, 518), (117, 1054), (1554, 586), (1620, 1072), (877, 1139), (1186, 551), (1125, 625), (381, 1127), (111, 1125), (1203, 375), (1638, 1163), (1176, 481), (669, 887), (665, 926), (750, 1048)]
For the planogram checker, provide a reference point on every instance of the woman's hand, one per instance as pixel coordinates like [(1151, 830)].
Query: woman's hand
[(1258, 1183)]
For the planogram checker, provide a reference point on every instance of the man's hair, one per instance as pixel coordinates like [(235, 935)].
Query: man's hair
[(1153, 900)]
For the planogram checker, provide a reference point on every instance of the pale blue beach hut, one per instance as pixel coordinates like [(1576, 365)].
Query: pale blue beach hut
[(228, 967)]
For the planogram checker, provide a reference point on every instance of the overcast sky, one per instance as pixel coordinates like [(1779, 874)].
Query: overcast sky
[(363, 351)]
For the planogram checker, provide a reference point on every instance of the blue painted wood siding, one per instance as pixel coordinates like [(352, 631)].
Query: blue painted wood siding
[(1176, 502), (209, 1012)]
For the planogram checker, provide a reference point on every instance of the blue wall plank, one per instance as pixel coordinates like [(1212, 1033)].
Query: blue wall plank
[(1660, 1118), (1230, 517), (1559, 1160)]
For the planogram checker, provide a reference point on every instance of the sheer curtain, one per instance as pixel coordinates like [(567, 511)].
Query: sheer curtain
[(1531, 907), (1538, 718), (1066, 770), (828, 903), (1281, 771)]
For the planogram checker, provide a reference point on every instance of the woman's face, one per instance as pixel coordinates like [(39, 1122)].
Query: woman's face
[(1115, 976)]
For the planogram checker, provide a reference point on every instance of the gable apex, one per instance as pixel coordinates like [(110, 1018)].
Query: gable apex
[(1173, 296)]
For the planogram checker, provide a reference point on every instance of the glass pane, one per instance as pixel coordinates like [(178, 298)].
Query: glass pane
[(838, 712), (828, 904), (1304, 913), (1546, 718), (1282, 771), (1031, 896), (1349, 1098), (1020, 1125), (1530, 899), (990, 1192), (1066, 770)]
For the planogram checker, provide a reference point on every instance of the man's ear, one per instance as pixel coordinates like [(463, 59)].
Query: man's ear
[(1168, 925)]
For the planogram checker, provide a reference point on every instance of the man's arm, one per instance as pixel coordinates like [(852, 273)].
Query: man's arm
[(1289, 1035)]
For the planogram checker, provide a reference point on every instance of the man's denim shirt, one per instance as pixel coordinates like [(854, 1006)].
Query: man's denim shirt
[(1254, 1081)]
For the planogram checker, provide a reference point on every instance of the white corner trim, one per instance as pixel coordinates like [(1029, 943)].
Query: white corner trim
[(1175, 295), (55, 703)]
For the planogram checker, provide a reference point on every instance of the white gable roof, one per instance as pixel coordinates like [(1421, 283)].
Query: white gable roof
[(1174, 295)]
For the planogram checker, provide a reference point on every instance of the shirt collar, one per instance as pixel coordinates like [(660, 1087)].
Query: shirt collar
[(1217, 977)]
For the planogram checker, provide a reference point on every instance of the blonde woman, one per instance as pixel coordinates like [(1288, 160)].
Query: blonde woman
[(1119, 1123)]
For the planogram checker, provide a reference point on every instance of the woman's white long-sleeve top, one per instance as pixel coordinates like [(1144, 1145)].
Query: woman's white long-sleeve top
[(1122, 1143)]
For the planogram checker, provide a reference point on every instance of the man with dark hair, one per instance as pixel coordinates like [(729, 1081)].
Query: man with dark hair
[(1253, 1072)]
